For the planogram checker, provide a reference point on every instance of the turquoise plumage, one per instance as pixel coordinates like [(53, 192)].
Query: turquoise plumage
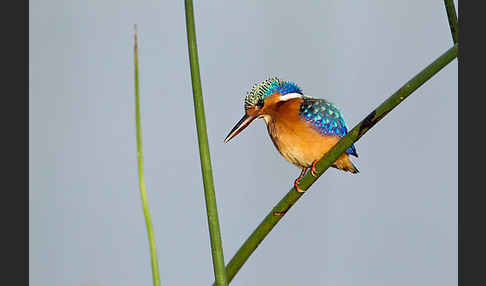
[(326, 118)]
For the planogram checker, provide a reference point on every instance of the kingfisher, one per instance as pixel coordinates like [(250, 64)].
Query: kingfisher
[(302, 128)]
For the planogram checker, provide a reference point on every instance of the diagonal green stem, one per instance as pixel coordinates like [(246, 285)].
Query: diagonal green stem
[(451, 15), (212, 212), (143, 195), (359, 130)]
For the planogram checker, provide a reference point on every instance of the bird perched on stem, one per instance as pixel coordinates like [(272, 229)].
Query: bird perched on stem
[(302, 128)]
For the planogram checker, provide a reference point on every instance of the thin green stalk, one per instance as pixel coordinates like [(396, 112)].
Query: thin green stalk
[(212, 211), (359, 130), (451, 15), (143, 195)]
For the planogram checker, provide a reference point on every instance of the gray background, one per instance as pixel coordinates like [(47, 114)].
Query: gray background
[(395, 223)]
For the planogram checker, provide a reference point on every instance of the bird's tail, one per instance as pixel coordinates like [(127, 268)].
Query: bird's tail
[(353, 168), (345, 164)]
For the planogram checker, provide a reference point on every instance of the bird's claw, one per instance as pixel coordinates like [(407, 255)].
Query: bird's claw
[(297, 187), (297, 181), (313, 169)]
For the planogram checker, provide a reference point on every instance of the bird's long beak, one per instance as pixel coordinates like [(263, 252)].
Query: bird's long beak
[(242, 124)]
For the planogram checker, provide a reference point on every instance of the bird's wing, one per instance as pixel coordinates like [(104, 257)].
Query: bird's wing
[(326, 118)]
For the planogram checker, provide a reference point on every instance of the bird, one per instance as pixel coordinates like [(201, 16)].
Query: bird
[(302, 128)]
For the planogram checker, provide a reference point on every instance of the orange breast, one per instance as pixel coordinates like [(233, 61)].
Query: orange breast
[(297, 141)]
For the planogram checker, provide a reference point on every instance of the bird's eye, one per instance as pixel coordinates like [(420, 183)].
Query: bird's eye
[(260, 103)]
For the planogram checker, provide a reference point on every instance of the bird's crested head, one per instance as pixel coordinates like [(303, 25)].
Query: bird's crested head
[(272, 85), (261, 98)]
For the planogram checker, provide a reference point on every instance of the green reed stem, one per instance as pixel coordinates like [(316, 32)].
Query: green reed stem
[(212, 211), (359, 130), (451, 15), (143, 195)]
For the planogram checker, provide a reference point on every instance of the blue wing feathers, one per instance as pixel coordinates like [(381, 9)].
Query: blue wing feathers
[(326, 118), (352, 151)]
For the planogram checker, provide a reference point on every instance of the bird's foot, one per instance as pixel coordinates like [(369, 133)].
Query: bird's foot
[(297, 181), (297, 187), (313, 169)]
